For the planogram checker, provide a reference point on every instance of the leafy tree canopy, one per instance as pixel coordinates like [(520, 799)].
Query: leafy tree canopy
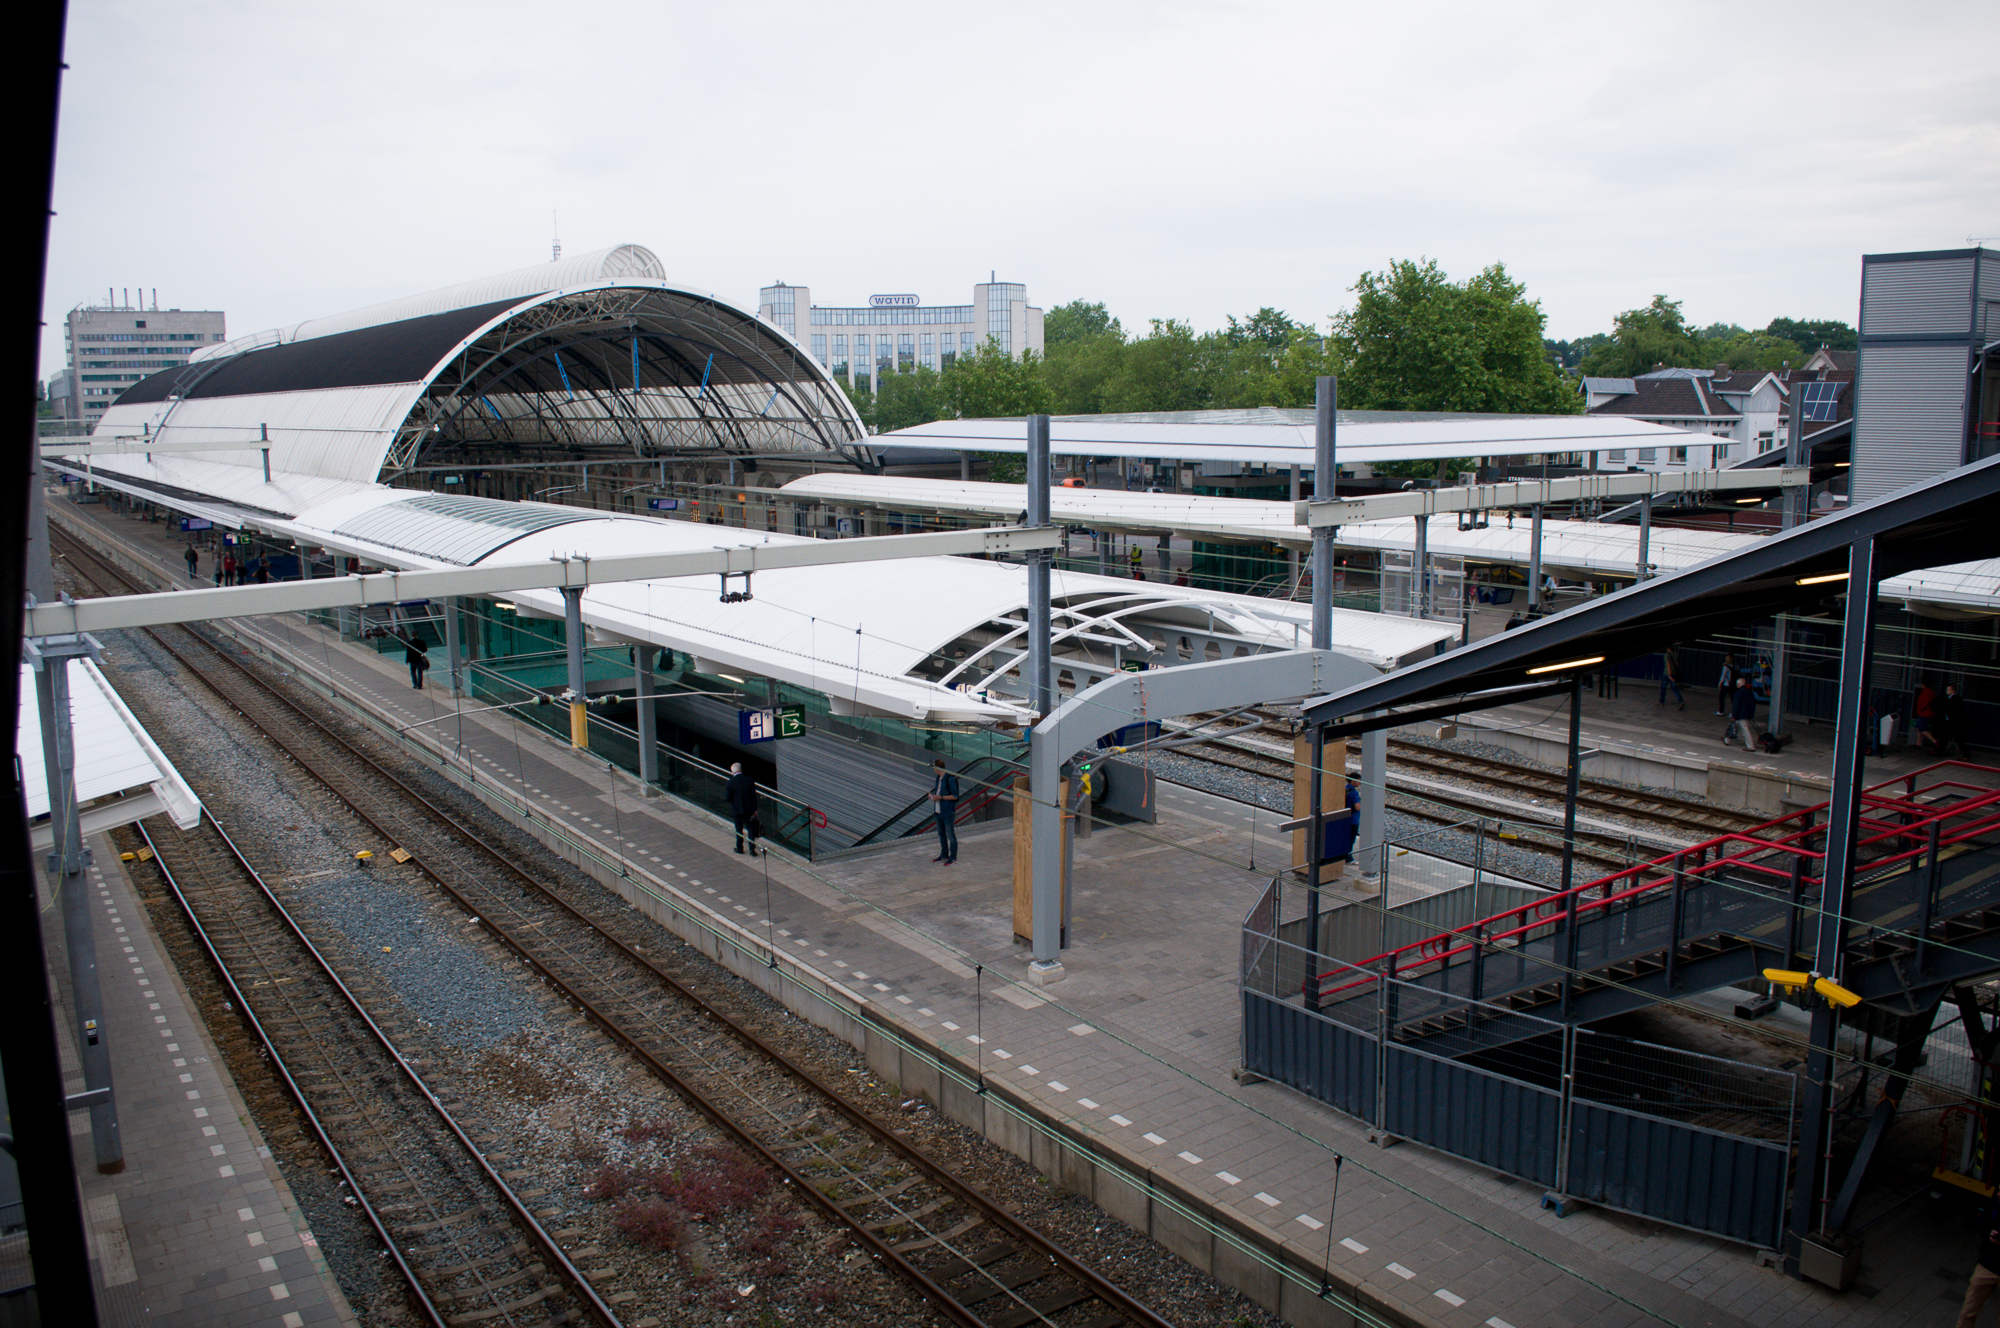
[(992, 384), (1416, 340), (1812, 333), (1642, 339), (1078, 321)]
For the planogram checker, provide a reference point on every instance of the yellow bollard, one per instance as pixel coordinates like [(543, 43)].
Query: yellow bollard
[(579, 724)]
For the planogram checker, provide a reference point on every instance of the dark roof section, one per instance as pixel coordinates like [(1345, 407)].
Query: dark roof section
[(1948, 519), (401, 352), (1669, 398)]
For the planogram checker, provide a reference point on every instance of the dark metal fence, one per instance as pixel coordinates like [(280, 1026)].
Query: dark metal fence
[(1676, 1136)]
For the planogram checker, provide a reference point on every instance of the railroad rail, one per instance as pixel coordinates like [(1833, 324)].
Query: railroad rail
[(461, 1238), (976, 1263)]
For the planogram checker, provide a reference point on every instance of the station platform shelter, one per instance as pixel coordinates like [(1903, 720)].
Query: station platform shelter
[(1124, 1081)]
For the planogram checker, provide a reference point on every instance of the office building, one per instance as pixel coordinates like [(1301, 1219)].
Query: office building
[(899, 332), (113, 345)]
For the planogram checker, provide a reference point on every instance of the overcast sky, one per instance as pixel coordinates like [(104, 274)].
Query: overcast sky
[(280, 161)]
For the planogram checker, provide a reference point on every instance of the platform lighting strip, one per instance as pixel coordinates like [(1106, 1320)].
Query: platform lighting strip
[(1821, 580), (1566, 664)]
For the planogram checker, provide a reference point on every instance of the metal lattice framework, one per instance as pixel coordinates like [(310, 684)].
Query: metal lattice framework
[(624, 373)]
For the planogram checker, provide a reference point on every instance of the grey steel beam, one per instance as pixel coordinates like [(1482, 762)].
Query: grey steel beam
[(1126, 699), (645, 690), (346, 592), (579, 708), (1645, 535), (1535, 560), (1374, 805), (455, 666)]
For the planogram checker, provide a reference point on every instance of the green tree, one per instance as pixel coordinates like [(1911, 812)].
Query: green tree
[(912, 397), (1079, 371), (864, 403), (1077, 321), (1644, 339), (1168, 370), (1753, 350), (1268, 327), (1812, 333), (1415, 340), (991, 384)]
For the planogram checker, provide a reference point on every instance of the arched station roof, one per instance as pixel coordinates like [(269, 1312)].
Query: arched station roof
[(596, 358)]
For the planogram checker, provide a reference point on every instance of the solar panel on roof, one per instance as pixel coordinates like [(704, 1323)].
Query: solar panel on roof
[(1822, 402)]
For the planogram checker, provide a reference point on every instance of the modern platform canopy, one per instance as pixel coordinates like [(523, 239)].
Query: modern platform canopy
[(1926, 525), (595, 357), (1269, 435)]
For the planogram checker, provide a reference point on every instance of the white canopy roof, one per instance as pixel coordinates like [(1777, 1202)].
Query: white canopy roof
[(121, 774), (1270, 436), (1578, 548), (1962, 589)]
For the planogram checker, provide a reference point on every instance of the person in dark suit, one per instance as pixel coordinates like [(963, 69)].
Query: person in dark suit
[(944, 800), (741, 790)]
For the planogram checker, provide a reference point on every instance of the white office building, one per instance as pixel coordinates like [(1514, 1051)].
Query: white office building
[(898, 332), (113, 345)]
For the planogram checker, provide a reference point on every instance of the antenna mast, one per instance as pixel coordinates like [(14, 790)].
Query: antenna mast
[(555, 230)]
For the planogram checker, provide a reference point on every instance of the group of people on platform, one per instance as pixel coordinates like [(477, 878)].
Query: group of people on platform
[(1936, 718), (230, 569)]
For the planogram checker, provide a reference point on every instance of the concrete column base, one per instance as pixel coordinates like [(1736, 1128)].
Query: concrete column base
[(1046, 974)]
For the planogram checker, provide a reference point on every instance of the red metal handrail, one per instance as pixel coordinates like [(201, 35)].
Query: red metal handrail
[(1557, 906)]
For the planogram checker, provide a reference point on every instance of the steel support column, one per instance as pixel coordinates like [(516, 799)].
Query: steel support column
[(1420, 569), (1830, 942), (1794, 512), (1535, 558), (644, 688), (1572, 772), (453, 647), (1645, 536), (1041, 672), (68, 859), (579, 714), (1315, 857), (1370, 839), (1326, 409)]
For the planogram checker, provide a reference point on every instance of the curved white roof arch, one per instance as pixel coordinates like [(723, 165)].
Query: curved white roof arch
[(597, 358)]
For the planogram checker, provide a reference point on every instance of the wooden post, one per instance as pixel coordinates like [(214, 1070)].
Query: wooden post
[(1024, 860), (1333, 795)]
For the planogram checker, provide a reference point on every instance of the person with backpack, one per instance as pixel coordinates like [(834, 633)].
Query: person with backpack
[(944, 799)]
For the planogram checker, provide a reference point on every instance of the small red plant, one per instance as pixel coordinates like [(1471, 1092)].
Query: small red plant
[(612, 1181), (646, 1132), (716, 1181), (650, 1222)]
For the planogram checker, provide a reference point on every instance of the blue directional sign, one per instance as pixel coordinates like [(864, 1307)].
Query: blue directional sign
[(757, 725)]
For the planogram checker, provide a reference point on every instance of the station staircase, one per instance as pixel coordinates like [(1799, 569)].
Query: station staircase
[(1923, 915)]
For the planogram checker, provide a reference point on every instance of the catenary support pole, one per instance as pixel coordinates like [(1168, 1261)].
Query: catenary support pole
[(579, 713), (1326, 419), (1041, 675), (1571, 774), (1857, 649), (1291, 553), (1535, 557), (68, 860), (1420, 570), (1315, 857)]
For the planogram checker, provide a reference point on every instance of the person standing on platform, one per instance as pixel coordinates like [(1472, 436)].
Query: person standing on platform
[(1743, 714), (221, 566), (193, 557), (1670, 675), (741, 790), (1947, 724), (1923, 712), (944, 798), (1985, 1271), (418, 657), (1342, 835), (228, 574), (1725, 685)]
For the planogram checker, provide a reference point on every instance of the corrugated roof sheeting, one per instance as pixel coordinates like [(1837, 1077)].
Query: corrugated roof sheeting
[(1965, 587), (333, 434), (455, 530), (113, 753)]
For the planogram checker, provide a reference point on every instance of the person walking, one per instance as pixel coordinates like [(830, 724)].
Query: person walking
[(221, 566), (1985, 1271), (229, 569), (418, 657), (193, 556), (944, 799), (741, 790), (1670, 675), (1725, 685), (1743, 715)]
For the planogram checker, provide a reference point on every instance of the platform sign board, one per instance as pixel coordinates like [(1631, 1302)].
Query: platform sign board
[(663, 504), (791, 721), (756, 725), (196, 523), (1133, 665)]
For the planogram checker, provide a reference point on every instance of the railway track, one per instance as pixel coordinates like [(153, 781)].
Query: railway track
[(975, 1263), (462, 1239)]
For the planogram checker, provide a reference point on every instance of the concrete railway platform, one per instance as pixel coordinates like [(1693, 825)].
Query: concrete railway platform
[(1118, 1082)]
